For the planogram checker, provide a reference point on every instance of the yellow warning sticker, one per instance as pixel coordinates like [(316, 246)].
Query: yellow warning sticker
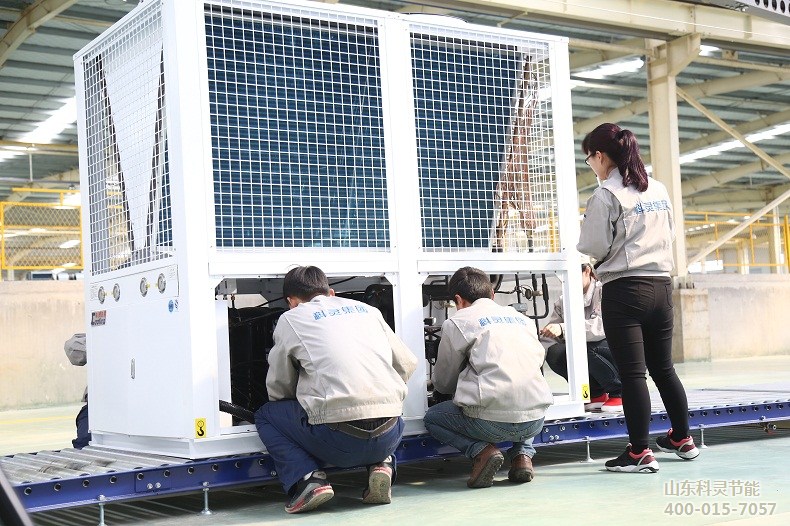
[(585, 391), (200, 428)]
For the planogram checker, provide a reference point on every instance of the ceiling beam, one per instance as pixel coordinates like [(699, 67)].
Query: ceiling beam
[(46, 50), (599, 52), (701, 90), (747, 199), (588, 177), (759, 152), (53, 147), (706, 182), (762, 123), (50, 84), (34, 66), (71, 176), (29, 20), (670, 18), (739, 64), (82, 36)]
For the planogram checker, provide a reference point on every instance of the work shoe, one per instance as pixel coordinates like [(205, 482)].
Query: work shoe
[(644, 462), (596, 402), (521, 469), (484, 467), (685, 448), (613, 405), (310, 493), (379, 490)]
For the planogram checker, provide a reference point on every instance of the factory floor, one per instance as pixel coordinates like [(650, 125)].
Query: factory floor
[(740, 478)]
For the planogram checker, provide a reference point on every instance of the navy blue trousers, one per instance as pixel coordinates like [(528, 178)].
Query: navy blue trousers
[(601, 368), (83, 429), (299, 448)]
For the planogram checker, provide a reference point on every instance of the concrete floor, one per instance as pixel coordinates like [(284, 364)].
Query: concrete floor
[(565, 491)]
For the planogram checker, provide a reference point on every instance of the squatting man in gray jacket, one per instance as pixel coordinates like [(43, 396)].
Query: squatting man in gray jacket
[(337, 380), (490, 358)]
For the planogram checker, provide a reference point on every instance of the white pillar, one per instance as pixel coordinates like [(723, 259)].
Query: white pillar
[(662, 70), (775, 243)]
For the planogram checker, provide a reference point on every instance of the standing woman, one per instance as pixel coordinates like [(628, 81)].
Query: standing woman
[(628, 230)]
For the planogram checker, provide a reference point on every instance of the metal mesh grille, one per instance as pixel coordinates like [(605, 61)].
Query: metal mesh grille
[(40, 236), (128, 178), (297, 132), (485, 139)]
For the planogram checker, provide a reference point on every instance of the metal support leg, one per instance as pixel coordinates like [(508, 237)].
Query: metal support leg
[(205, 511), (102, 498), (702, 437), (587, 443)]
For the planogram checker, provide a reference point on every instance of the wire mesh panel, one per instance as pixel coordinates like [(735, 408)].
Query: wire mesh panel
[(485, 143), (297, 131), (40, 236), (126, 132)]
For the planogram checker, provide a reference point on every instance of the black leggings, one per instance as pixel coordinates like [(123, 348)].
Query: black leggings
[(601, 368), (638, 321)]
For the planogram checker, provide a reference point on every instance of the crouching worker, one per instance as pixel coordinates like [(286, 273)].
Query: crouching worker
[(606, 390), (77, 354), (500, 393), (337, 379)]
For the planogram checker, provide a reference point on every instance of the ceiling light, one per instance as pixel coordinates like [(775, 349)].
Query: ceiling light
[(615, 68), (47, 130), (770, 133), (710, 151), (70, 243), (72, 199)]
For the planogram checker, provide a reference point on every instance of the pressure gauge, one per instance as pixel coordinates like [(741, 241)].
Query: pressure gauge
[(144, 286), (161, 283), (116, 292), (102, 294)]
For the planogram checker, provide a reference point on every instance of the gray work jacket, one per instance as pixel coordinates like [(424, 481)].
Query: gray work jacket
[(497, 352), (593, 322), (340, 360), (627, 232)]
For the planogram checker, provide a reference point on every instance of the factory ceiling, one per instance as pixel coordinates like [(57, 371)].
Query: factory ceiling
[(740, 79)]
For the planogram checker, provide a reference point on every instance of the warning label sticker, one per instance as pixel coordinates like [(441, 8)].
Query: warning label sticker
[(98, 317), (200, 428)]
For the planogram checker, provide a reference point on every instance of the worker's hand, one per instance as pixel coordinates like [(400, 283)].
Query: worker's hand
[(552, 330)]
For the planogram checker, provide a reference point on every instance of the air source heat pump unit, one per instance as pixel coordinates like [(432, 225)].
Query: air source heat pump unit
[(222, 142)]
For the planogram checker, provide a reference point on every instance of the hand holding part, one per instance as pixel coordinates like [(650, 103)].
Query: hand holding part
[(552, 330)]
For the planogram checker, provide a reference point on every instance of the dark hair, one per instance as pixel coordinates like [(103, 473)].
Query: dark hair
[(586, 266), (622, 148), (471, 284), (305, 283)]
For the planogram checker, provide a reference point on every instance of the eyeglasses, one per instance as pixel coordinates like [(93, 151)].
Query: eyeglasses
[(587, 159)]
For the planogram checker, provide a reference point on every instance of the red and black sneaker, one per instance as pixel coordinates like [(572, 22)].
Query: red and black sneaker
[(685, 448), (310, 493), (596, 402), (628, 462)]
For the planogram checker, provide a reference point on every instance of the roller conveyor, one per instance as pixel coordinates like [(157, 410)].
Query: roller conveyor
[(98, 475)]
